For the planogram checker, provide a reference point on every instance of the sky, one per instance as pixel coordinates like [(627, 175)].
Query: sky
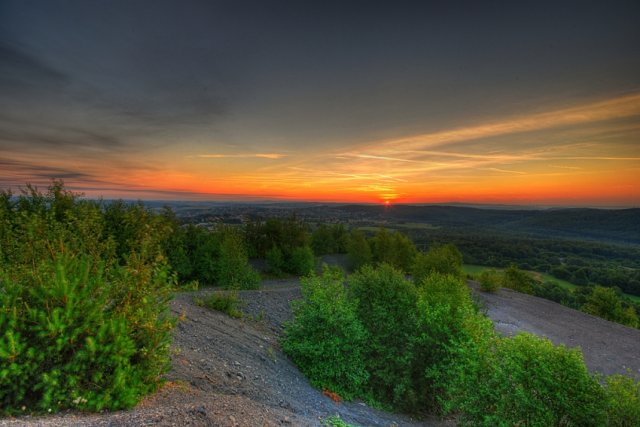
[(532, 103)]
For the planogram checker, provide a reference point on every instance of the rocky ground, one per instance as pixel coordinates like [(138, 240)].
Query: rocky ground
[(231, 372)]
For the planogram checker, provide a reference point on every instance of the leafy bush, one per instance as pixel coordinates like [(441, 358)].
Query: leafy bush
[(84, 320), (275, 260), (329, 239), (518, 280), (489, 280), (529, 381), (335, 421), (302, 261), (386, 306), (395, 249), (234, 271), (605, 303), (451, 341), (623, 401), (226, 302), (445, 259), (325, 338), (358, 250), (554, 292)]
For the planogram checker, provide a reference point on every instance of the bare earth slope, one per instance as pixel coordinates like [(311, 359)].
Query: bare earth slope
[(231, 372), (608, 348)]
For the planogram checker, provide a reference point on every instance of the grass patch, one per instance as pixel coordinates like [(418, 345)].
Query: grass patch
[(224, 301)]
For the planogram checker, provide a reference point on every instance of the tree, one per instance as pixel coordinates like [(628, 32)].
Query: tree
[(605, 302), (442, 259), (358, 250), (518, 280), (233, 269)]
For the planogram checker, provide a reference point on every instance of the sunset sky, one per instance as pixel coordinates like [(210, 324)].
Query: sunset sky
[(346, 101)]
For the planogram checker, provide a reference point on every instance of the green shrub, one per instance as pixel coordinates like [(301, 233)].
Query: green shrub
[(302, 261), (395, 249), (445, 259), (275, 260), (606, 303), (518, 280), (233, 269), (335, 421), (66, 343), (489, 280), (529, 381), (325, 339), (358, 250), (623, 401), (84, 319), (386, 306), (451, 341), (226, 302)]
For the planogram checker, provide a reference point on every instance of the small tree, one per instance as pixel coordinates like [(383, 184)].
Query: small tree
[(358, 250), (325, 338), (605, 302), (489, 280), (445, 259), (518, 280), (234, 270), (302, 261)]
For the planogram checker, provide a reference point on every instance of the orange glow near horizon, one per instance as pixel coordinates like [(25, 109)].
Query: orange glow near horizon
[(583, 155)]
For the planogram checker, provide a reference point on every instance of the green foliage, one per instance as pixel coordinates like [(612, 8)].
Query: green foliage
[(518, 280), (233, 269), (442, 259), (335, 421), (302, 261), (84, 319), (623, 401), (358, 250), (325, 338), (395, 249), (275, 260), (285, 234), (529, 381), (329, 239), (452, 339), (554, 292), (225, 301), (490, 280), (605, 303), (386, 306)]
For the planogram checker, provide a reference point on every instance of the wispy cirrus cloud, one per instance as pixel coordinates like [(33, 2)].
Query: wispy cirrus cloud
[(272, 156), (614, 108)]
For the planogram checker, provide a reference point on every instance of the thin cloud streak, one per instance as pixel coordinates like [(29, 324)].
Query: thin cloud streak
[(272, 156), (615, 108)]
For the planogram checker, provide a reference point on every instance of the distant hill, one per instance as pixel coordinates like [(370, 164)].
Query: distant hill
[(621, 225)]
